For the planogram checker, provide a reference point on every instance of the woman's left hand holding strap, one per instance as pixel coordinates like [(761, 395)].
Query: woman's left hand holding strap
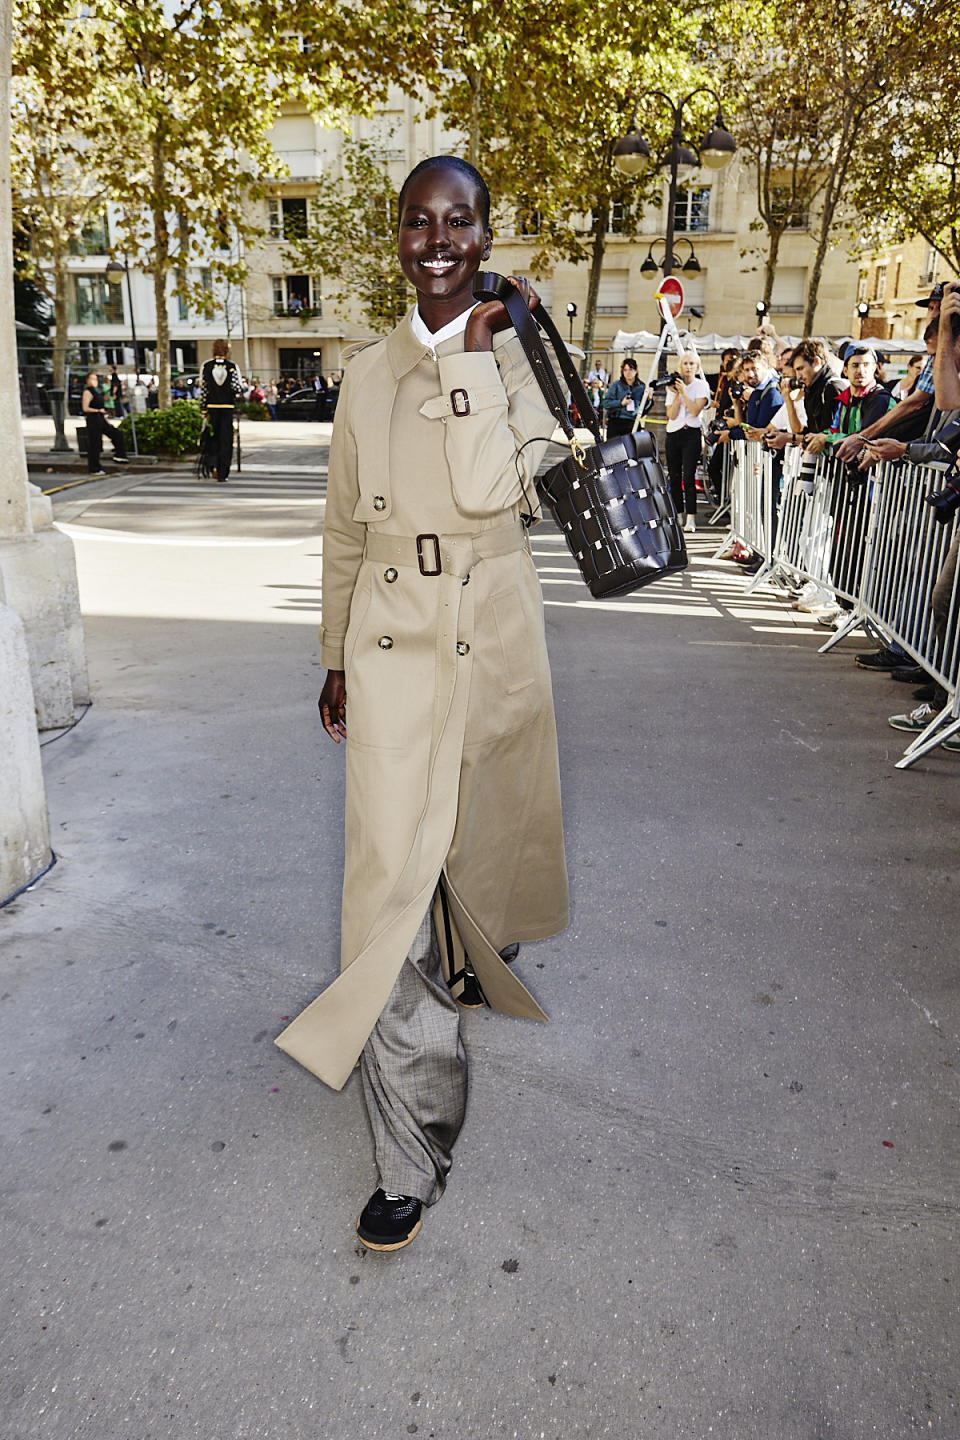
[(490, 316)]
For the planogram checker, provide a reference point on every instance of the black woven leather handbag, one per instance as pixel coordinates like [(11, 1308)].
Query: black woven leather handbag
[(611, 501)]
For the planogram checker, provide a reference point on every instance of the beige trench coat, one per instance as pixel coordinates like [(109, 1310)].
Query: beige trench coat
[(451, 752)]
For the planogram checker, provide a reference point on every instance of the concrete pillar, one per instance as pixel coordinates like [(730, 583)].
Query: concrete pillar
[(37, 566), (24, 827)]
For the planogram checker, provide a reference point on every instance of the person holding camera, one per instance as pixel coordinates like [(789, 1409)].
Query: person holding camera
[(621, 402), (687, 395), (752, 414)]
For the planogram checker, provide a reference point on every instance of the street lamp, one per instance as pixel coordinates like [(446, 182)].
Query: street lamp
[(631, 154), (669, 263), (571, 315), (114, 271), (761, 308)]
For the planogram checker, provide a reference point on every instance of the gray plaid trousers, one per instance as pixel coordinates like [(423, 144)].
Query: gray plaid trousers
[(414, 1071)]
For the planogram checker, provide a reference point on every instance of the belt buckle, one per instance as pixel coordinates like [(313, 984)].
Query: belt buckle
[(420, 559)]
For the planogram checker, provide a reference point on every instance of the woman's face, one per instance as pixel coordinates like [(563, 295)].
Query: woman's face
[(628, 374), (442, 239), (688, 368)]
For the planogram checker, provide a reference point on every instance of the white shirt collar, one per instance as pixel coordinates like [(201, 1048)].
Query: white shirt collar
[(431, 339)]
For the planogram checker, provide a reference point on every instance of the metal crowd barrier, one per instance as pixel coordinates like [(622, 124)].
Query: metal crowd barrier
[(869, 539)]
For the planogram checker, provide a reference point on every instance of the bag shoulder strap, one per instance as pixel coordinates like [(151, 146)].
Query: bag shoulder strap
[(488, 286)]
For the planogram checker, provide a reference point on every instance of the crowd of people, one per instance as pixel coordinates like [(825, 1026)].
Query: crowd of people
[(849, 404), (844, 405)]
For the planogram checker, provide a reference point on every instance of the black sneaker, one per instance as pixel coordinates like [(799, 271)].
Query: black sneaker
[(389, 1222), (880, 660), (909, 675)]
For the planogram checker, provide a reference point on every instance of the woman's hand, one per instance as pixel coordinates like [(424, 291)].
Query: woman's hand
[(333, 705), (491, 315)]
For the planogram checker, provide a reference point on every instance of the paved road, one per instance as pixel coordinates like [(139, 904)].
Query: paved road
[(716, 1196)]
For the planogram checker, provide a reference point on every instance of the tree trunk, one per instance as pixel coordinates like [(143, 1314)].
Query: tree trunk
[(473, 139), (601, 221), (160, 266), (60, 318), (775, 234)]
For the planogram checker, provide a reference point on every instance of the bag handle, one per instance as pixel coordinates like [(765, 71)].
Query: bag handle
[(489, 286)]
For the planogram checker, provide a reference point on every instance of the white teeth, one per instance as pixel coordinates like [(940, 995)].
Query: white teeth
[(437, 264)]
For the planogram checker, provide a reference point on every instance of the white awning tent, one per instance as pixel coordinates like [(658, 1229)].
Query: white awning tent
[(645, 342)]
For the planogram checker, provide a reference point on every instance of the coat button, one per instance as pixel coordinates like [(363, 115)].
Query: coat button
[(466, 580), (462, 648), (390, 575), (385, 642), (379, 503)]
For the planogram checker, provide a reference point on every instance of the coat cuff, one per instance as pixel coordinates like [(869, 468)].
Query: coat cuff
[(331, 650), (471, 382)]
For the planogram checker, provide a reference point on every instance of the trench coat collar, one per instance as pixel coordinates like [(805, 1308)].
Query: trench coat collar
[(404, 350)]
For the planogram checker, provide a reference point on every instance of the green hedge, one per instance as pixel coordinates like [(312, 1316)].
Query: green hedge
[(172, 432)]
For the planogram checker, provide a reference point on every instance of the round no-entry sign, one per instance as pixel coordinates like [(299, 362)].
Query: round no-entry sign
[(670, 296)]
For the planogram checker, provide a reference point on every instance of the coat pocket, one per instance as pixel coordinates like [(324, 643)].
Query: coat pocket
[(514, 635), (359, 606)]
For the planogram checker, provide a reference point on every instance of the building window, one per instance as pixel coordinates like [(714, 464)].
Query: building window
[(287, 218), (692, 210), (96, 301), (786, 210), (862, 286), (183, 304), (294, 294), (928, 274), (880, 284), (528, 222), (94, 238), (612, 294)]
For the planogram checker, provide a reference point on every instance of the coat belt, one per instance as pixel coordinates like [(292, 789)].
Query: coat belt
[(444, 554)]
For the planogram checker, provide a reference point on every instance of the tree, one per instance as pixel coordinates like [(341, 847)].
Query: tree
[(351, 237), (824, 83), (56, 189), (541, 106), (177, 104), (910, 177)]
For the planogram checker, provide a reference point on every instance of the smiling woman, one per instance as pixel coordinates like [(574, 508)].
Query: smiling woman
[(438, 677)]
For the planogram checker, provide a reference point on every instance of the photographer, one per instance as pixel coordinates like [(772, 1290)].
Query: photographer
[(759, 377), (788, 423), (911, 412), (688, 394), (621, 402), (860, 404)]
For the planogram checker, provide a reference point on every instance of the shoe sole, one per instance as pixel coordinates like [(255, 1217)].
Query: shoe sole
[(374, 1244)]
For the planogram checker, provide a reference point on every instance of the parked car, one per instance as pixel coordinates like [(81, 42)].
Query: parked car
[(308, 405)]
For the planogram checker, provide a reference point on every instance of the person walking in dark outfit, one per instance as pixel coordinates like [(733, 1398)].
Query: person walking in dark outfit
[(220, 389), (94, 413)]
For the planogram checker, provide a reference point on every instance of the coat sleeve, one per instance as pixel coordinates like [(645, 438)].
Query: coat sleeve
[(343, 537), (495, 408)]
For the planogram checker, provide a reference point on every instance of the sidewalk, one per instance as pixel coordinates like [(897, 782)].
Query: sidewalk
[(717, 1196)]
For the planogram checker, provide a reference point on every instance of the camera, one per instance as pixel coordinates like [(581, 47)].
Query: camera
[(945, 503), (674, 378), (736, 388)]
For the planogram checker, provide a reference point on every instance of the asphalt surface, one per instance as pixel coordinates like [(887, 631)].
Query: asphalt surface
[(717, 1196)]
